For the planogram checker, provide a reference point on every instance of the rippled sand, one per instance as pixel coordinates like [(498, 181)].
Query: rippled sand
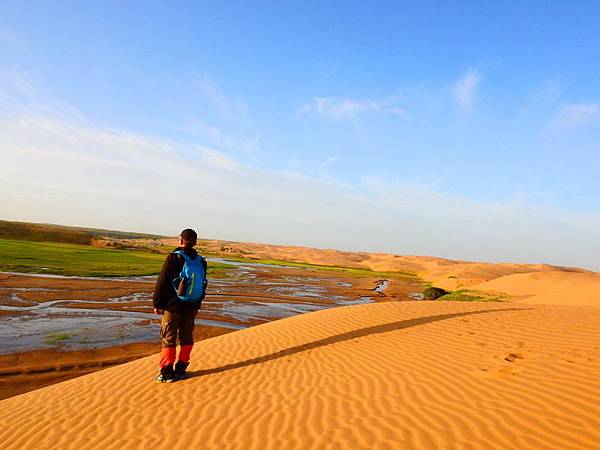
[(384, 375)]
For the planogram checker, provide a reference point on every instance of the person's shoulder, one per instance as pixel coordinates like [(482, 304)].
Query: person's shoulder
[(175, 255)]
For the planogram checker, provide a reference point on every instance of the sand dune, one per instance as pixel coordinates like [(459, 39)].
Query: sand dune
[(549, 287), (387, 375)]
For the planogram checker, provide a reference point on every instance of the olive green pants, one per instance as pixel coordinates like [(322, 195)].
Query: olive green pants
[(175, 326)]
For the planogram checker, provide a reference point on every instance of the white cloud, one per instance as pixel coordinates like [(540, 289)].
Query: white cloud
[(575, 115), (544, 96), (227, 105), (465, 89), (304, 109), (221, 139), (22, 84), (347, 108), (326, 164), (57, 171)]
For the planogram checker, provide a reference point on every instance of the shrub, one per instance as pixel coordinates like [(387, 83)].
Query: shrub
[(433, 293)]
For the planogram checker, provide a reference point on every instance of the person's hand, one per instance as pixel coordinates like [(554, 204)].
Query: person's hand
[(158, 312)]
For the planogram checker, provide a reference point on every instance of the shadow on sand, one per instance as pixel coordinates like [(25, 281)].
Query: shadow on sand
[(369, 331)]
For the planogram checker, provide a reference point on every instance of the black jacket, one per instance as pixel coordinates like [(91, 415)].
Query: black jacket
[(165, 296)]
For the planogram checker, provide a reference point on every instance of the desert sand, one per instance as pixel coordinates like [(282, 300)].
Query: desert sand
[(383, 375), (552, 286)]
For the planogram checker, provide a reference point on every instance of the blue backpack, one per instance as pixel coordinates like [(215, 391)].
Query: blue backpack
[(191, 283)]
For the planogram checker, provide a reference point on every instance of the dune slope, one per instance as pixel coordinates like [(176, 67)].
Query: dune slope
[(386, 375), (554, 287)]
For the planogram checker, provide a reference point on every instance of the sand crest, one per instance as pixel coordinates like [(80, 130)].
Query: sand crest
[(554, 287), (386, 375)]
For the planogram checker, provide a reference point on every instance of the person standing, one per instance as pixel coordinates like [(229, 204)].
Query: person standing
[(178, 295)]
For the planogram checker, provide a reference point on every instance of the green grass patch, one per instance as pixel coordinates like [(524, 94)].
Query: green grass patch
[(80, 260), (465, 295), (56, 338), (348, 270)]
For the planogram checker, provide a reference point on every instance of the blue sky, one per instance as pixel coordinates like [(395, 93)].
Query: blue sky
[(465, 130)]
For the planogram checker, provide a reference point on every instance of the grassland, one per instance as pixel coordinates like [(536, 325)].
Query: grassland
[(465, 295), (79, 260), (347, 270), (64, 250)]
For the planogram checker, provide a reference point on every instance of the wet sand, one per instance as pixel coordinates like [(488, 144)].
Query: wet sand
[(57, 328)]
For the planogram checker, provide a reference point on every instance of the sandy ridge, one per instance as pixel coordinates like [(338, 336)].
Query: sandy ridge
[(414, 374)]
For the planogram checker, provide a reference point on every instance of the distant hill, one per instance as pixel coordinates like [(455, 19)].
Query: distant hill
[(44, 232)]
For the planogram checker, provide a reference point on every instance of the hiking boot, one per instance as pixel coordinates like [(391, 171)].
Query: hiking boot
[(180, 370), (166, 375)]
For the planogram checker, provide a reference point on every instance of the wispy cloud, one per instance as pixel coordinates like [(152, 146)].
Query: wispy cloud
[(22, 93), (229, 127), (343, 108), (222, 139), (229, 106), (544, 96), (465, 89), (575, 115), (325, 164), (17, 87)]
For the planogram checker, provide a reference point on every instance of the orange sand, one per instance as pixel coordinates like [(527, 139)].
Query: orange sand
[(555, 287), (385, 375)]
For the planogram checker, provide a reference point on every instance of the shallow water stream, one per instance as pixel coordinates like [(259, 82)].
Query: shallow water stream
[(50, 311)]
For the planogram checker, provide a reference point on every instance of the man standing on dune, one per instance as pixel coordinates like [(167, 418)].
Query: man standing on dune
[(178, 294)]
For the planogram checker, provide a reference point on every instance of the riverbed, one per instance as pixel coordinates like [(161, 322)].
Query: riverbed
[(50, 311)]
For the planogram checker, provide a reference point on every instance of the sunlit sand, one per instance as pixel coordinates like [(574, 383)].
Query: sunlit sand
[(414, 374)]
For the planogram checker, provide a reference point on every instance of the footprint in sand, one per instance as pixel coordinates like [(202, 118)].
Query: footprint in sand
[(512, 357), (504, 369), (509, 370)]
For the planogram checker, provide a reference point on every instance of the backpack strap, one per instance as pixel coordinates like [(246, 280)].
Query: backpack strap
[(181, 253), (186, 257)]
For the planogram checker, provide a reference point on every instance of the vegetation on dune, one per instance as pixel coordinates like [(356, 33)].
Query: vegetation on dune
[(348, 270), (465, 295), (461, 295), (433, 293), (80, 260)]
